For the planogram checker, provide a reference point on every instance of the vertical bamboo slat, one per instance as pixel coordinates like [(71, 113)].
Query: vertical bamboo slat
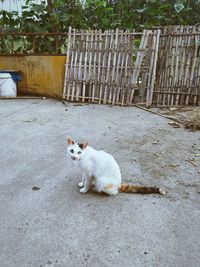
[(129, 70), (100, 62), (113, 68), (67, 64), (193, 59), (85, 66), (125, 70), (120, 67), (90, 54), (108, 67), (94, 66), (155, 56), (80, 67), (72, 69), (114, 71), (139, 59)]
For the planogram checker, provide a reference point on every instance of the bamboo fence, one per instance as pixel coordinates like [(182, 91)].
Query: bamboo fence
[(159, 66), (178, 68), (106, 67)]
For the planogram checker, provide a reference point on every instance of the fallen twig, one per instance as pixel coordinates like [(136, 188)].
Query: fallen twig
[(190, 161), (161, 115), (170, 165), (174, 124)]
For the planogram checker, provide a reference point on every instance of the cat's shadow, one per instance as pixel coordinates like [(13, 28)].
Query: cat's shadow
[(93, 193), (96, 194)]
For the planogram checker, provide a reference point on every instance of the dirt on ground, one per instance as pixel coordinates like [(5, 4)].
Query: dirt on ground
[(189, 117)]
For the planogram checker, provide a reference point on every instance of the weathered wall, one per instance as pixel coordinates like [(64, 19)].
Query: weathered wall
[(41, 75)]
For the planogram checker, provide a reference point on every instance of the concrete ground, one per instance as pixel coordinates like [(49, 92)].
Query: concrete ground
[(58, 226)]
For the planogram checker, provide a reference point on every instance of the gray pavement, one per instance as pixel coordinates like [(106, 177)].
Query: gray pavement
[(58, 226)]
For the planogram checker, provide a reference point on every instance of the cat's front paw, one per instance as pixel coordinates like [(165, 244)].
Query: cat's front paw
[(80, 184), (83, 190)]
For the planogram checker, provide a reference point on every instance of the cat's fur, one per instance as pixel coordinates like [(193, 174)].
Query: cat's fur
[(101, 171)]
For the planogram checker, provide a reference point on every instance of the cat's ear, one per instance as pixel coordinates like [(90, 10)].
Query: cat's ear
[(70, 141), (83, 145)]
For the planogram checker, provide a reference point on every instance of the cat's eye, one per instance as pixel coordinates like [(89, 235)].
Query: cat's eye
[(79, 152), (71, 150)]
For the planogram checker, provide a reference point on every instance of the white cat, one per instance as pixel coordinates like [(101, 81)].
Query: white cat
[(101, 171)]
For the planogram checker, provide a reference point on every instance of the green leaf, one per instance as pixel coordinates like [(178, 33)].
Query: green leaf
[(164, 7), (178, 7), (151, 1), (142, 10)]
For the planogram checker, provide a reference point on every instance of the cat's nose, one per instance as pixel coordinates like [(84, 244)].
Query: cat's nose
[(73, 158)]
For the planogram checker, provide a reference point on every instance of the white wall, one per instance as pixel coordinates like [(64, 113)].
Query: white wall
[(14, 5)]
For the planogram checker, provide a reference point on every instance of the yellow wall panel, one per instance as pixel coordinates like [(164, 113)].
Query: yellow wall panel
[(41, 75)]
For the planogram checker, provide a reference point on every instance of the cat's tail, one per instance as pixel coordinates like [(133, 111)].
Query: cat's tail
[(127, 188)]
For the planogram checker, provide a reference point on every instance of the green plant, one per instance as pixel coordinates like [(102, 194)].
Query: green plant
[(92, 14)]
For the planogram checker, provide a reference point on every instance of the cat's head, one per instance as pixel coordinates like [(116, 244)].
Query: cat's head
[(76, 150)]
